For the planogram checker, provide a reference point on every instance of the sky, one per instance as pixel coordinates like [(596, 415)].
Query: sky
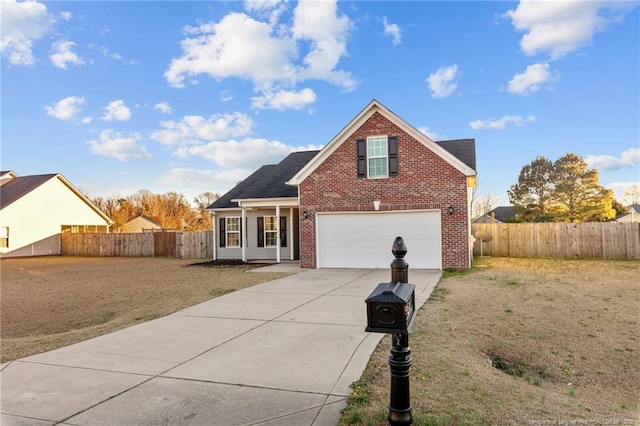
[(192, 97)]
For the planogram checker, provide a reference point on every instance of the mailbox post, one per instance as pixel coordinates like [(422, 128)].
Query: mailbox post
[(391, 309)]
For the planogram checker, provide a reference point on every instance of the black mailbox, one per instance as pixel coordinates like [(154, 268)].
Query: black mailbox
[(391, 308)]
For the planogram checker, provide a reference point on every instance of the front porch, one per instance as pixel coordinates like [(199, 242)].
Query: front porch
[(258, 231)]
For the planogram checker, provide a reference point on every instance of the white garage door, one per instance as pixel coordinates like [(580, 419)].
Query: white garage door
[(364, 240)]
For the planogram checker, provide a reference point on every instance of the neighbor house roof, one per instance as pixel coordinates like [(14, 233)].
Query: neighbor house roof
[(19, 186), (376, 107), (498, 214), (267, 182)]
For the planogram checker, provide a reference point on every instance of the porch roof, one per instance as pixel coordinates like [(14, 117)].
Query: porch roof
[(268, 182)]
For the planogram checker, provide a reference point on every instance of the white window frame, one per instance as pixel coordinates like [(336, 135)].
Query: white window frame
[(274, 231), (370, 157), (4, 237), (227, 222)]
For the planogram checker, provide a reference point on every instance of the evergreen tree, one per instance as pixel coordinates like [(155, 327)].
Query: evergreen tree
[(563, 191), (531, 196), (577, 194)]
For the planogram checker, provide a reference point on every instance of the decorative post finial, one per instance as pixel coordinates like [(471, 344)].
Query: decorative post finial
[(399, 266)]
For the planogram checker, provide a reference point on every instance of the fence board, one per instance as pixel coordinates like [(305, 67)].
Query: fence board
[(593, 240), (188, 245)]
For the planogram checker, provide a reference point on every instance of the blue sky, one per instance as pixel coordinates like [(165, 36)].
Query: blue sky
[(194, 96)]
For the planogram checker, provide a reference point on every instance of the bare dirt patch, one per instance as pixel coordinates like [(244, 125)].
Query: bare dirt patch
[(49, 302), (520, 341)]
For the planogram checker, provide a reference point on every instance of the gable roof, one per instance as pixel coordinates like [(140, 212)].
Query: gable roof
[(373, 107), (19, 186), (267, 182)]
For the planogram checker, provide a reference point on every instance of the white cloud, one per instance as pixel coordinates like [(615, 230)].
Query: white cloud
[(116, 110), (274, 55), (61, 54), (248, 153), (113, 144), (628, 158), (530, 80), (282, 99), (502, 122), (561, 27), (237, 46), (65, 109), (195, 129), (393, 30), (22, 24), (66, 16), (220, 180), (163, 107), (431, 135), (327, 33), (442, 82)]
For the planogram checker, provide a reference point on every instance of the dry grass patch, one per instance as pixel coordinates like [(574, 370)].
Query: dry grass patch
[(51, 302), (520, 341)]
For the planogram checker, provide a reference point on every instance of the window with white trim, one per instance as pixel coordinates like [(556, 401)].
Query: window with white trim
[(270, 231), (4, 237), (377, 157), (232, 228)]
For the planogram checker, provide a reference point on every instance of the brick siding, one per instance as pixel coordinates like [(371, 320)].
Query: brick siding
[(424, 181)]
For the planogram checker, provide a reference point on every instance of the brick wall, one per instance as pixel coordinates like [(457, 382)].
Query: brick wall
[(424, 181)]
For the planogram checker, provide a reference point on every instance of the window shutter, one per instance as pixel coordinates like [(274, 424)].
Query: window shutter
[(283, 231), (393, 156), (362, 157), (261, 232), (245, 221), (223, 233)]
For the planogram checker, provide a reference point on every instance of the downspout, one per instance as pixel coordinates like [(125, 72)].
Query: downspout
[(290, 232)]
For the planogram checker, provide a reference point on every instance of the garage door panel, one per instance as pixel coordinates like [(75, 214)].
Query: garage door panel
[(364, 240)]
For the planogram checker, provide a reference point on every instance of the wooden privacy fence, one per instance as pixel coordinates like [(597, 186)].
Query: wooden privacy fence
[(593, 240), (187, 245)]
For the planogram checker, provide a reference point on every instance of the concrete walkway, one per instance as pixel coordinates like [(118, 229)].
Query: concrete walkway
[(279, 353)]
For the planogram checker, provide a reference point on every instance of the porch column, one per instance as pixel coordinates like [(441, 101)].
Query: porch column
[(278, 234), (290, 232), (243, 232), (213, 232)]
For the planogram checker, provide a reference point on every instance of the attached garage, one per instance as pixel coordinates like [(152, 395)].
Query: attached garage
[(364, 239)]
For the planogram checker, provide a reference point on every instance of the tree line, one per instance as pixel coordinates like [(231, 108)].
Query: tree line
[(565, 190), (170, 209)]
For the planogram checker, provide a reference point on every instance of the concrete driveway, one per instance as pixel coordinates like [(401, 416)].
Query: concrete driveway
[(279, 353)]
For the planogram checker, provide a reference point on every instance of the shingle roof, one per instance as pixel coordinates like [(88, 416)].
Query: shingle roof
[(503, 213), (267, 182), (18, 187), (463, 149)]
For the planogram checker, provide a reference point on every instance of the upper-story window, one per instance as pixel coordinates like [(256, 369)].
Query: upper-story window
[(377, 157)]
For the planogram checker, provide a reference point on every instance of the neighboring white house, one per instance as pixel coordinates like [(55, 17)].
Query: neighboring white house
[(35, 210), (632, 215)]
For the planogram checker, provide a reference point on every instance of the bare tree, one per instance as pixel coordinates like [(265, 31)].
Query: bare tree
[(484, 205), (632, 195)]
